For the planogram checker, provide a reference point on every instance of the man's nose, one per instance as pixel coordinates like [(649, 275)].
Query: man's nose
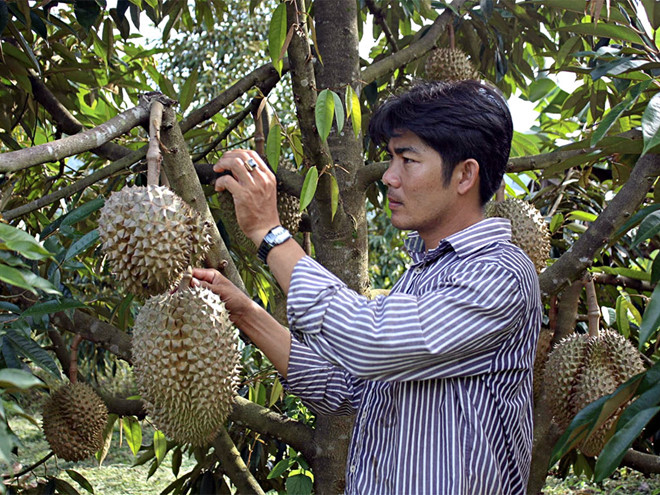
[(390, 178)]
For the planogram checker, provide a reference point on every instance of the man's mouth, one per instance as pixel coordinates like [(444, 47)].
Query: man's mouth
[(393, 203)]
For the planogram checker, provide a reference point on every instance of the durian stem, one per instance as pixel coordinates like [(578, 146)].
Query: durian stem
[(154, 156), (73, 365), (186, 279), (592, 305), (552, 313), (259, 136), (30, 468), (499, 195), (452, 37)]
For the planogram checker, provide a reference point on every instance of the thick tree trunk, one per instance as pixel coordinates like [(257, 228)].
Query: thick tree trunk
[(341, 242)]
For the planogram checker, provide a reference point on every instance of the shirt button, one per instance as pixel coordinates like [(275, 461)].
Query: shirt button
[(352, 468), (364, 415), (418, 269)]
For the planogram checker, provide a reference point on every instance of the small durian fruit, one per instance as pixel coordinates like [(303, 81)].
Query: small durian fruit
[(288, 207), (580, 370), (529, 230), (449, 64), (186, 363), (150, 235), (542, 351), (74, 418)]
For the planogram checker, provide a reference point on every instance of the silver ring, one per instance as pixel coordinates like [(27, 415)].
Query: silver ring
[(251, 163)]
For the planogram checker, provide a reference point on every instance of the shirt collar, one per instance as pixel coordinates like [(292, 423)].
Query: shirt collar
[(464, 242)]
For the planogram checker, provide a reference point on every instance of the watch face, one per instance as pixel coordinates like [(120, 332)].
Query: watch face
[(277, 235)]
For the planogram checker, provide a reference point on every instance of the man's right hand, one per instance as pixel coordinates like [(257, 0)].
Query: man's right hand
[(236, 301)]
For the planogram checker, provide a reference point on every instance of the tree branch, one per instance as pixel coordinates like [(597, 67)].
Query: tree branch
[(412, 51), (103, 334), (67, 122), (580, 255), (379, 18), (67, 191), (183, 180), (629, 283), (642, 462), (265, 75), (233, 464), (78, 143)]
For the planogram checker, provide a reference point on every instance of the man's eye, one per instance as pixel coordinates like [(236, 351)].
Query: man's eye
[(408, 160)]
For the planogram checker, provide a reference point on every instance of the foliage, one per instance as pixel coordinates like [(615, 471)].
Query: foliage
[(91, 60)]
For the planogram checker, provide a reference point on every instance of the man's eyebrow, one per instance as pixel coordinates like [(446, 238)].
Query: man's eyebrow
[(404, 149)]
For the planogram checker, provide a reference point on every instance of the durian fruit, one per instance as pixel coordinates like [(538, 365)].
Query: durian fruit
[(150, 236), (449, 64), (529, 230), (542, 351), (581, 369), (288, 207), (186, 363), (74, 418)]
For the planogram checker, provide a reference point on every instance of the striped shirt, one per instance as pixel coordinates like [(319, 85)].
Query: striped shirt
[(439, 372)]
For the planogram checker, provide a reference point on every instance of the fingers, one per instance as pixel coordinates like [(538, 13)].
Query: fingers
[(205, 275), (245, 166)]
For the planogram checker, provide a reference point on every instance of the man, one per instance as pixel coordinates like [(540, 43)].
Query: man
[(440, 371)]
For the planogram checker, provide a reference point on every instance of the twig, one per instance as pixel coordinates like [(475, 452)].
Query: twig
[(379, 17), (29, 468), (72, 145), (154, 156), (413, 51)]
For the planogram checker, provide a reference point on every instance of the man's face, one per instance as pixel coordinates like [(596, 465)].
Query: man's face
[(417, 196)]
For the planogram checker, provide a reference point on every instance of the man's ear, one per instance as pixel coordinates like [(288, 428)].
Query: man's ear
[(468, 176)]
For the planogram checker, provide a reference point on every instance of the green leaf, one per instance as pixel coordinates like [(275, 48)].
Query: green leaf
[(20, 241), (4, 16), (65, 488), (649, 227), (16, 277), (603, 30), (353, 110), (280, 468), (12, 379), (274, 147), (160, 445), (86, 11), (82, 212), (324, 113), (80, 479), (582, 215), (334, 196), (616, 447), (622, 322), (33, 351), (299, 484), (81, 245), (277, 35), (556, 222), (177, 458), (339, 111), (609, 119), (540, 88), (652, 8), (275, 393), (309, 187), (188, 90), (651, 124), (133, 430), (107, 438), (52, 306), (651, 320), (655, 271)]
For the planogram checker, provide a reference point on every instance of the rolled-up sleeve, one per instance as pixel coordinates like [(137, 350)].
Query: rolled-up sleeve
[(453, 329), (324, 387)]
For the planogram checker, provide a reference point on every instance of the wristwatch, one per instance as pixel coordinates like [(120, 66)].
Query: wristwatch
[(274, 237)]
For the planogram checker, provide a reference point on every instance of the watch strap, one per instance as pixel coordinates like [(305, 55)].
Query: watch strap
[(270, 241)]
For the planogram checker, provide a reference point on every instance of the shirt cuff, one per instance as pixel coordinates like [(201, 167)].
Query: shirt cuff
[(299, 358), (310, 293)]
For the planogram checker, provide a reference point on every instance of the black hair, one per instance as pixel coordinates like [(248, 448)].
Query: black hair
[(459, 120)]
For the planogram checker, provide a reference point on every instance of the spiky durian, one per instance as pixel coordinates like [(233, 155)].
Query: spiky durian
[(529, 230), (150, 236), (288, 207), (542, 351), (449, 64), (186, 363), (581, 369), (74, 417)]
